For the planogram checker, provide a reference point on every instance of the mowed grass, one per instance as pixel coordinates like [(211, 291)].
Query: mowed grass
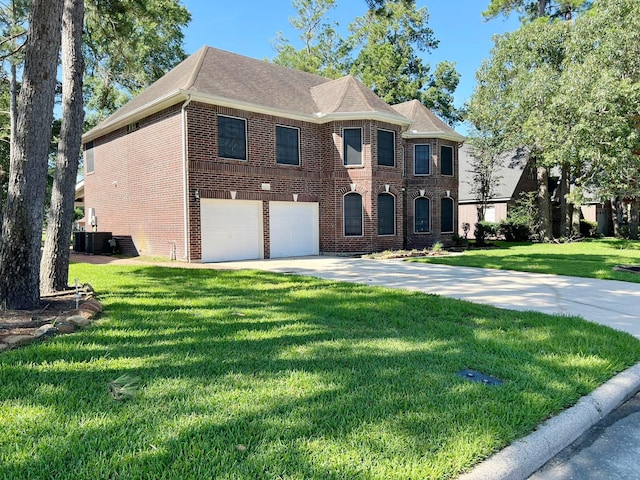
[(589, 258), (249, 375)]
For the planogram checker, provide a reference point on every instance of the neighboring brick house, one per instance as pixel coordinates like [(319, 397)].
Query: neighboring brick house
[(228, 157)]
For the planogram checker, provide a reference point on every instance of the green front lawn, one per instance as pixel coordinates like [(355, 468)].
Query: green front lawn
[(249, 375), (589, 258)]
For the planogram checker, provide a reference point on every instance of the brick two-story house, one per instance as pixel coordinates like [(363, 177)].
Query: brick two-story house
[(228, 157)]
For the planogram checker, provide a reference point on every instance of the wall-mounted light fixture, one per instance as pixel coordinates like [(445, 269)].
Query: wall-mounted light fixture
[(233, 194), (197, 194)]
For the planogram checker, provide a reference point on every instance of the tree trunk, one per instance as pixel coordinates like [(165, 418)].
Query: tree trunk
[(22, 222), (565, 216), (544, 204), (634, 217), (616, 216), (54, 267)]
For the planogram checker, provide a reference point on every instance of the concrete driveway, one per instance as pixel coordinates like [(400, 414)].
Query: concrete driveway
[(611, 303)]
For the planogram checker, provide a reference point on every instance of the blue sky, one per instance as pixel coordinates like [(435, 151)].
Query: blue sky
[(248, 27)]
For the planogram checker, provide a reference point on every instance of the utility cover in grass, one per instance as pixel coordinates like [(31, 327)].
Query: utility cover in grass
[(474, 376)]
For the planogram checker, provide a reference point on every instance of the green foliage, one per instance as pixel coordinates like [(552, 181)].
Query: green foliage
[(381, 51), (258, 375), (437, 247), (324, 52), (531, 9), (485, 230), (388, 41), (569, 91), (525, 209), (588, 228), (128, 45), (514, 230)]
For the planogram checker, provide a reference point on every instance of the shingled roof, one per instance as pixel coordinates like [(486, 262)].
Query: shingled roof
[(424, 123), (510, 169), (223, 78)]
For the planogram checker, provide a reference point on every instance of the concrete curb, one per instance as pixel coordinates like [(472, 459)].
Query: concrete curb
[(526, 455)]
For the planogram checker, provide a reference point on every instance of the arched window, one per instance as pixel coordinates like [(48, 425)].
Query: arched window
[(352, 214), (422, 215), (446, 215), (386, 214)]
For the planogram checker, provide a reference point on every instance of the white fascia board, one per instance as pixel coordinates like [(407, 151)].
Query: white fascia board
[(455, 137), (489, 202), (141, 112)]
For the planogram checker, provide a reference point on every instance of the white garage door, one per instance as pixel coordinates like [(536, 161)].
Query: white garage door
[(294, 229), (231, 230)]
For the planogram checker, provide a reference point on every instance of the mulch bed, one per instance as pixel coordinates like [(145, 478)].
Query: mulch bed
[(18, 322)]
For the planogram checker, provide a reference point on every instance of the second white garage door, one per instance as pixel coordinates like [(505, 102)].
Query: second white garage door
[(294, 228), (231, 230)]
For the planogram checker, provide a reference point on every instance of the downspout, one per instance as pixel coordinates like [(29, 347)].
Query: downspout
[(185, 180)]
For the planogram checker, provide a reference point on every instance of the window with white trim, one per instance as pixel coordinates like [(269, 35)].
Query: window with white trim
[(446, 160), (422, 159), (446, 215), (352, 214), (232, 138), (352, 146), (287, 145), (386, 214), (422, 215), (386, 148)]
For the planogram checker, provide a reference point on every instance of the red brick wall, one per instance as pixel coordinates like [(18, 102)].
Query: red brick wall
[(137, 184), (434, 187), (216, 177), (147, 202)]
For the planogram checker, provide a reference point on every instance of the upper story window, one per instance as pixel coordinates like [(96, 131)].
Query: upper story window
[(446, 160), (352, 146), (386, 214), (386, 148), (446, 213), (232, 137), (89, 163), (422, 215), (422, 159), (287, 145), (352, 213)]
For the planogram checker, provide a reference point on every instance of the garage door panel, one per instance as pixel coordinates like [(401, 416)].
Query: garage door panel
[(231, 230), (294, 229)]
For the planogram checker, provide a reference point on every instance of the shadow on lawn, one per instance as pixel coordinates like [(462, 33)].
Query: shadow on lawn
[(300, 372)]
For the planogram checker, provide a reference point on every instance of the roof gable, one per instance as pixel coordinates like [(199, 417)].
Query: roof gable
[(348, 95), (219, 77), (510, 169), (424, 123)]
